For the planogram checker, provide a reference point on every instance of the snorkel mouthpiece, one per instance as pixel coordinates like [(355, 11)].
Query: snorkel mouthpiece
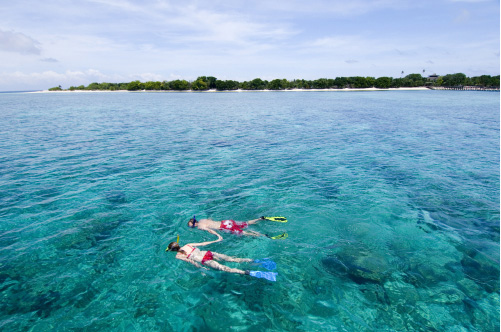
[(170, 249), (173, 245)]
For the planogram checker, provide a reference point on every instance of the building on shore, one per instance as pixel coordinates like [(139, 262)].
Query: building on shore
[(433, 77)]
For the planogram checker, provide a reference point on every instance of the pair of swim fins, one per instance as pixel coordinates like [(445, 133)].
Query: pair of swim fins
[(267, 264), (277, 219)]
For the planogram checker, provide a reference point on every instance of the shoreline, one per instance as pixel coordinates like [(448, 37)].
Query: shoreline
[(240, 90)]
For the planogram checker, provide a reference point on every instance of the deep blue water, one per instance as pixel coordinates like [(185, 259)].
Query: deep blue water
[(392, 200)]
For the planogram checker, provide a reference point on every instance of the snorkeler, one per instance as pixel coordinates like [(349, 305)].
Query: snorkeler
[(230, 226), (191, 254)]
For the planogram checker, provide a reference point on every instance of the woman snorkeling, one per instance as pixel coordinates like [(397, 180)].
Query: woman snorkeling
[(191, 254)]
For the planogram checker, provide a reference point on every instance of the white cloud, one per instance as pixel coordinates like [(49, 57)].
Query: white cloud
[(463, 17), (47, 79), (122, 5), (347, 46), (472, 1), (317, 8), (150, 77), (17, 42), (124, 40)]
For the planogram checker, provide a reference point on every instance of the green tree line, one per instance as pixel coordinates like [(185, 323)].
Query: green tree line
[(204, 83)]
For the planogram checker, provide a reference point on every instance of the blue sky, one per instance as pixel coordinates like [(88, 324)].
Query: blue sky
[(55, 42)]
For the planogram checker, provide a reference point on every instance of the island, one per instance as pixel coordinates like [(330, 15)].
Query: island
[(458, 81)]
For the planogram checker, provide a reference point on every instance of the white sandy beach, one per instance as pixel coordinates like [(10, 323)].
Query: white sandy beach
[(239, 90), (366, 89)]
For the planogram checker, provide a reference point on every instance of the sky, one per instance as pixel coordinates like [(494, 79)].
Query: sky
[(69, 43)]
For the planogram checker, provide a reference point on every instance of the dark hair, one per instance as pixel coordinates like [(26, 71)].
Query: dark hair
[(193, 222), (173, 246)]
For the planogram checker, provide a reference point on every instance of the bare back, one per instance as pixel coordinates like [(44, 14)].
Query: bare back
[(211, 226), (206, 224), (191, 252)]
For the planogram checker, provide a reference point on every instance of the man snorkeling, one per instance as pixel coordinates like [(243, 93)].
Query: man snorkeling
[(191, 254), (230, 226)]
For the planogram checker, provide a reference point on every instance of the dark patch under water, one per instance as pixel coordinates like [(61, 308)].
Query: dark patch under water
[(116, 197)]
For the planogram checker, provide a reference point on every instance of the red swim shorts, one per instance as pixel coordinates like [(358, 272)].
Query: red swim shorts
[(207, 257), (232, 226)]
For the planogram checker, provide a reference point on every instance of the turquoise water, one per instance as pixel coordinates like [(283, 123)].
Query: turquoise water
[(392, 200)]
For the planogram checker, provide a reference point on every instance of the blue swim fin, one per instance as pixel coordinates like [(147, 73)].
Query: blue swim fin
[(266, 263), (271, 276)]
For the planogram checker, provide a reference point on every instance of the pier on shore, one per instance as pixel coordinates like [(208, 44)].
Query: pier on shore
[(464, 88)]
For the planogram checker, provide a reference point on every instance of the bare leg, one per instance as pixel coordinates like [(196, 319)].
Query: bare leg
[(252, 233), (254, 221), (215, 265), (227, 258)]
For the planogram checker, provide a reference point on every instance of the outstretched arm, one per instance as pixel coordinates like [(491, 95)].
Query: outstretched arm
[(219, 238)]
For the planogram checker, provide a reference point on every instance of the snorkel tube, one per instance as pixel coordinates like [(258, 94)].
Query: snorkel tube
[(194, 222), (177, 241)]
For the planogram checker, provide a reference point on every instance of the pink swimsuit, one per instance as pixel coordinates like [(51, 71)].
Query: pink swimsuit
[(232, 226), (191, 252), (207, 257)]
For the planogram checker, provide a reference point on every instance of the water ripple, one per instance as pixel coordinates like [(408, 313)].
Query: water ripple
[(392, 200)]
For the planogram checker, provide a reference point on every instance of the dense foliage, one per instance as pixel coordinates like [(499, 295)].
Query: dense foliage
[(203, 83)]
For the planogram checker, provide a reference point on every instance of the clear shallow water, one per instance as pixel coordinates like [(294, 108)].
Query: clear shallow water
[(392, 200)]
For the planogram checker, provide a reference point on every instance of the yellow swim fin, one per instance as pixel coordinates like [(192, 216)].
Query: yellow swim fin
[(280, 237), (277, 219)]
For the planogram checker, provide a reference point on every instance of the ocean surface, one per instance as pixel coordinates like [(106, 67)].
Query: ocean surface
[(392, 200)]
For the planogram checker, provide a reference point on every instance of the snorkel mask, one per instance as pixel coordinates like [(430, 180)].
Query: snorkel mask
[(193, 225), (168, 249)]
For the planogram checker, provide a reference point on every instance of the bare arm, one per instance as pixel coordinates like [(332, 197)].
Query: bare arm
[(219, 238)]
